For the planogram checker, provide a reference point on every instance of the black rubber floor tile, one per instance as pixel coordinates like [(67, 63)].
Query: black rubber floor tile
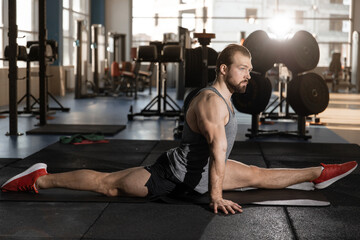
[(326, 223), (247, 148), (254, 223), (333, 150), (249, 159), (151, 158), (115, 155), (65, 195), (26, 220), (164, 221), (7, 173), (164, 145), (345, 192), (6, 161), (151, 221)]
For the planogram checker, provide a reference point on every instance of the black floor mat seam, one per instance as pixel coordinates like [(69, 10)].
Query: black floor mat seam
[(151, 150), (267, 163), (91, 225), (291, 224)]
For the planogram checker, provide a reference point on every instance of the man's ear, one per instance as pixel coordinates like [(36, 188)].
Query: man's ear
[(223, 69)]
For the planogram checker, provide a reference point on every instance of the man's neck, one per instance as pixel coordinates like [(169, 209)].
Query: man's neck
[(223, 89)]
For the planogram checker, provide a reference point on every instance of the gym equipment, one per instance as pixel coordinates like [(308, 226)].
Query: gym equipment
[(185, 43), (144, 78), (256, 96), (200, 65), (200, 62), (43, 99), (308, 94), (97, 55), (161, 54), (194, 66), (51, 54), (355, 63), (254, 100), (261, 49), (300, 53), (81, 86), (117, 45), (13, 71), (12, 52), (189, 95), (116, 53), (21, 53), (22, 56)]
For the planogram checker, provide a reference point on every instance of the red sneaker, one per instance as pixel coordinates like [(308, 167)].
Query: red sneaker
[(25, 181), (333, 172)]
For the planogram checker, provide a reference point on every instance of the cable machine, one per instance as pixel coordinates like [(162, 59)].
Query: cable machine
[(81, 81)]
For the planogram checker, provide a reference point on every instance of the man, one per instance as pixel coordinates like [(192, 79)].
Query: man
[(201, 162)]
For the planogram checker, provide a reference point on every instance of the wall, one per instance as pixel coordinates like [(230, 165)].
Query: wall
[(118, 18)]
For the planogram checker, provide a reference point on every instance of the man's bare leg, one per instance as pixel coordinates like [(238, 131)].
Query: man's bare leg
[(129, 182), (238, 175)]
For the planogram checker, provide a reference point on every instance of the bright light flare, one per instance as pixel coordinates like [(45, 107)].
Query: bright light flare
[(281, 26)]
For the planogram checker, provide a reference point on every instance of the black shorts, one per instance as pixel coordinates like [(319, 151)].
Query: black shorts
[(162, 181)]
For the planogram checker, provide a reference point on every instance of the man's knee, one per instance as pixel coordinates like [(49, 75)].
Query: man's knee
[(256, 175), (107, 186)]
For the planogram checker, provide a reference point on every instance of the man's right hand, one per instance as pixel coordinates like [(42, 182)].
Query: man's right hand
[(225, 205)]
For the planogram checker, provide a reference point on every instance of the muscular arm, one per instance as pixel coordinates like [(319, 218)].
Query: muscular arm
[(211, 115), (211, 125)]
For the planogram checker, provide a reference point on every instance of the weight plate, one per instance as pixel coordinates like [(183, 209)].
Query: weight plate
[(308, 94), (256, 96), (259, 45), (303, 52)]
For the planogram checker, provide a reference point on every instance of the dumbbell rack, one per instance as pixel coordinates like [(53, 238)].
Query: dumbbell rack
[(261, 118), (256, 132)]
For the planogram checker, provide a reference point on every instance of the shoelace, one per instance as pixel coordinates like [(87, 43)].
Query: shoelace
[(28, 188)]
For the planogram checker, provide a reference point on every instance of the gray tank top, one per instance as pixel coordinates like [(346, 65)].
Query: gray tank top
[(190, 161)]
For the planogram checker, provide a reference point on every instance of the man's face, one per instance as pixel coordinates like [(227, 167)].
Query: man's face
[(238, 73)]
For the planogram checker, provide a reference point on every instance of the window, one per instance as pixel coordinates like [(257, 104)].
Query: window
[(251, 14), (335, 47), (336, 1), (187, 19), (336, 22), (299, 17), (27, 22), (74, 11)]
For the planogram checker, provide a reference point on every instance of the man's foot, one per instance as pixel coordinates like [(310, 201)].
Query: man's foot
[(26, 180), (333, 172)]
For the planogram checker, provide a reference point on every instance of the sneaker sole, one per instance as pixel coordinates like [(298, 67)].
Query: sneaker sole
[(26, 172), (331, 181)]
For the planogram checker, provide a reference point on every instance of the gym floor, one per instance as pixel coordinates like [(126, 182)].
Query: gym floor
[(341, 124)]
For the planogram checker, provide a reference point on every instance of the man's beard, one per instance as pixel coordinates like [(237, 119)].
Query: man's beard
[(239, 88)]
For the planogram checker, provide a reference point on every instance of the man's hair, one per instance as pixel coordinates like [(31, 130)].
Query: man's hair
[(226, 55)]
